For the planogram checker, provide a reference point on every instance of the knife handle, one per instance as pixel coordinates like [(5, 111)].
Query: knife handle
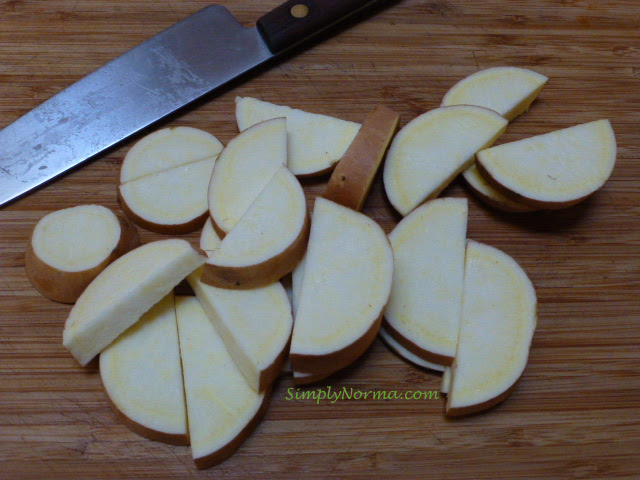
[(297, 20)]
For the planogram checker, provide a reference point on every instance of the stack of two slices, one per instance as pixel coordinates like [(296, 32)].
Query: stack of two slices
[(459, 306)]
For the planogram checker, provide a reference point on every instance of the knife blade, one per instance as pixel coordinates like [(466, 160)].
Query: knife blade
[(163, 74)]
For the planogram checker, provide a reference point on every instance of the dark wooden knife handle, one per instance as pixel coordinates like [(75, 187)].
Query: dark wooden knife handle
[(297, 20)]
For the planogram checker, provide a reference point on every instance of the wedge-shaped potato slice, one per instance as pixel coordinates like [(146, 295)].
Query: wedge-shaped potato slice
[(316, 142), (168, 148), (255, 326), (142, 376), (347, 281), (172, 201), (244, 168), (70, 247), (222, 408), (125, 290), (267, 242), (406, 354), (352, 178), (498, 321), (424, 308), (506, 90), (432, 149), (554, 170), (490, 195)]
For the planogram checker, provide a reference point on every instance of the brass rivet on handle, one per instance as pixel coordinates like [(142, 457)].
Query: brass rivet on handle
[(299, 11)]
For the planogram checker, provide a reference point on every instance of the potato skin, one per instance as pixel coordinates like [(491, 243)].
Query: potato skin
[(261, 274), (320, 365), (417, 350), (66, 287)]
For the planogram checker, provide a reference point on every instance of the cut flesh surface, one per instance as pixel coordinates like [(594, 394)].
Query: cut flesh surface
[(347, 280), (244, 168), (432, 149), (553, 170), (446, 380), (498, 321), (267, 242), (296, 284), (142, 375), (123, 292), (508, 91), (76, 239), (425, 305), (209, 239), (222, 408), (406, 354), (170, 201), (490, 195), (254, 324), (168, 148), (316, 142)]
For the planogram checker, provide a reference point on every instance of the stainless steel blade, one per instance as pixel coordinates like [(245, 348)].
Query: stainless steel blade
[(161, 75)]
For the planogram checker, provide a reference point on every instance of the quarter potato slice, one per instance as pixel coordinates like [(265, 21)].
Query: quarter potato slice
[(222, 408), (267, 242)]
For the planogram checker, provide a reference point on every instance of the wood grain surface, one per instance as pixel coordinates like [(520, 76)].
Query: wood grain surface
[(576, 411)]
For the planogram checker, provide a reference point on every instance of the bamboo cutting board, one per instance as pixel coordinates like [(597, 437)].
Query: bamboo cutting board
[(576, 411)]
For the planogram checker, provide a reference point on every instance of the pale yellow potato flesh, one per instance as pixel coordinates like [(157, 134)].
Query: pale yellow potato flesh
[(243, 170), (315, 142), (347, 280), (142, 375), (508, 91), (406, 354), (123, 292), (76, 239), (168, 148), (432, 149), (498, 321), (556, 169), (220, 402), (426, 297)]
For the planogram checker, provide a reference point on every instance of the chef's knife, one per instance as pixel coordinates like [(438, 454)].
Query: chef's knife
[(161, 75)]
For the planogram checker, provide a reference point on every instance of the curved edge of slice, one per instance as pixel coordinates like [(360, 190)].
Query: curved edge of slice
[(539, 170), (354, 174), (66, 286), (328, 364), (151, 203), (509, 91), (142, 373), (402, 352), (243, 169), (265, 220), (222, 409), (484, 191), (167, 148), (430, 151), (362, 251), (316, 142), (497, 327)]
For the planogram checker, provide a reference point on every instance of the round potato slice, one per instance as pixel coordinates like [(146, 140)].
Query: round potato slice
[(70, 247)]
